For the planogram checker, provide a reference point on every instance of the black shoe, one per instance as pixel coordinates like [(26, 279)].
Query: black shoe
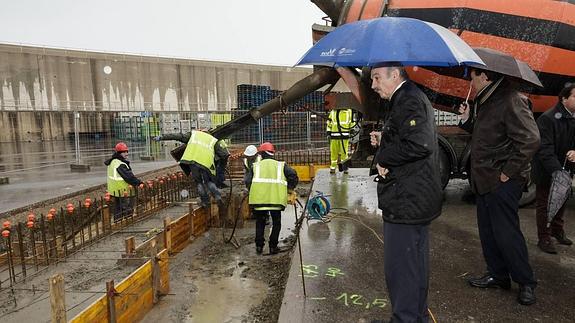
[(488, 281), (259, 250), (526, 295), (332, 170), (546, 245), (562, 239), (274, 250)]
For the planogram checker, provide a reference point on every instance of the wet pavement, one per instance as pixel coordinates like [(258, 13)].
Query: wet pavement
[(343, 263), (35, 185)]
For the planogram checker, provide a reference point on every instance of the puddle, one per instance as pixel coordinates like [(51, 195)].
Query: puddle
[(226, 299)]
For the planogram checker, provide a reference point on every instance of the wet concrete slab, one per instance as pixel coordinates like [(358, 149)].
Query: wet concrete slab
[(343, 263), (342, 259)]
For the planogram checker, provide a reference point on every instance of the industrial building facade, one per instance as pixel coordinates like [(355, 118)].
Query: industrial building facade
[(40, 87)]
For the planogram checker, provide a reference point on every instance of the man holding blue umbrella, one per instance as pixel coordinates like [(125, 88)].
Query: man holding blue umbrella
[(409, 190)]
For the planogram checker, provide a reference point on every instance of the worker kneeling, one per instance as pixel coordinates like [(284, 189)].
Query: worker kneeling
[(269, 181)]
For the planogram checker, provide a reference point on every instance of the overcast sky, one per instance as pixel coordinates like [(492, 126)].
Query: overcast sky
[(276, 32)]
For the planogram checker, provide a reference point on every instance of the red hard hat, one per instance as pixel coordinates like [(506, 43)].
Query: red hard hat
[(267, 146), (121, 147)]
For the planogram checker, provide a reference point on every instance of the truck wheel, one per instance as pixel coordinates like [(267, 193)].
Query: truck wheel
[(444, 167)]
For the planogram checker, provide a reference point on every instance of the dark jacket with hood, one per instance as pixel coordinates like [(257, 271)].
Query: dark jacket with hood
[(124, 170), (411, 192), (557, 131), (504, 136)]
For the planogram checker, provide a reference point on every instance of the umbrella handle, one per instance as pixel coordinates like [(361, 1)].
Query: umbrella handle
[(565, 162)]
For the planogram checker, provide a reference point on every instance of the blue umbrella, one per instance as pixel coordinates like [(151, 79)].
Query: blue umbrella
[(408, 41)]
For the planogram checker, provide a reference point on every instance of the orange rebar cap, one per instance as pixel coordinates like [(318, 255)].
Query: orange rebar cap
[(121, 147)]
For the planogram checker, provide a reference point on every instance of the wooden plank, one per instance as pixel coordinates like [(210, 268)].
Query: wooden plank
[(139, 307), (180, 228), (130, 245), (167, 234), (110, 294), (142, 273), (96, 312), (164, 262), (57, 299), (181, 239), (155, 276)]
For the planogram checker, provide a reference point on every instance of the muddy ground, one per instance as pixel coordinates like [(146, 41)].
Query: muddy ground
[(212, 281)]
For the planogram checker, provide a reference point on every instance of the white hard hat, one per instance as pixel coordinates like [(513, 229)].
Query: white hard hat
[(251, 150)]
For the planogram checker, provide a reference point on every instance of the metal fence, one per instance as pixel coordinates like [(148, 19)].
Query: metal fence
[(33, 140)]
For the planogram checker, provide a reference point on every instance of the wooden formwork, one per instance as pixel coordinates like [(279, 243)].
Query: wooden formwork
[(132, 298)]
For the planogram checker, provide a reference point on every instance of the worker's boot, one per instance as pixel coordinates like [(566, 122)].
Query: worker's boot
[(562, 239), (274, 250), (332, 170), (259, 250), (546, 245)]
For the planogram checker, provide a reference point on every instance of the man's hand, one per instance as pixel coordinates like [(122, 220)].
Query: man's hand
[(382, 171), (292, 197), (503, 178), (375, 138), (571, 156), (464, 112)]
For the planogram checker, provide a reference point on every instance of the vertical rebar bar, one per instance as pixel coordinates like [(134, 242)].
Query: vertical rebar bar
[(33, 245), (44, 242), (64, 241), (11, 272), (54, 237), (21, 248), (79, 219)]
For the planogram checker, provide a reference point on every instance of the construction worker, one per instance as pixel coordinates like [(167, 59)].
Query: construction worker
[(339, 124), (200, 156), (120, 178), (250, 156), (221, 163), (269, 182)]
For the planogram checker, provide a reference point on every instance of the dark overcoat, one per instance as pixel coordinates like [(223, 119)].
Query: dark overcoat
[(411, 192)]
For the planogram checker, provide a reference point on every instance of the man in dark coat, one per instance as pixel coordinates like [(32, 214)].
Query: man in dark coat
[(409, 190), (505, 138), (557, 130)]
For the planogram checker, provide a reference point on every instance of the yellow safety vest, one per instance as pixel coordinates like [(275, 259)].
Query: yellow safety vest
[(116, 184), (345, 123), (269, 184), (200, 149)]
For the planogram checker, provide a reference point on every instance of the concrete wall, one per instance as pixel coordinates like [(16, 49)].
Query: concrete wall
[(33, 78)]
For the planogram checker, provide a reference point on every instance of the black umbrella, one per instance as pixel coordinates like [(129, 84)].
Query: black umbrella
[(559, 192), (508, 65), (497, 62)]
